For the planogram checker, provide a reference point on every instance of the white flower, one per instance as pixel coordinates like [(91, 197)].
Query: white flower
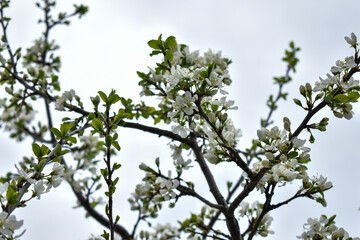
[(181, 130), (55, 181), (69, 95), (60, 104), (60, 101), (58, 169), (177, 73), (298, 143), (211, 157), (8, 224), (263, 134), (352, 40), (323, 183), (39, 188), (26, 175)]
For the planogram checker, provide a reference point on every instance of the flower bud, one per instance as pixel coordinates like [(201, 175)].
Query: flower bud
[(269, 156), (227, 81), (297, 102), (143, 166), (338, 114), (211, 117), (302, 90), (287, 124), (224, 117)]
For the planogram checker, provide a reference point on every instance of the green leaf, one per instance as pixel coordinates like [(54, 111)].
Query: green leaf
[(91, 116), (103, 96), (330, 221), (115, 136), (170, 42), (116, 145), (292, 155), (112, 189), (117, 219), (65, 151), (44, 150), (328, 98), (104, 172), (41, 164), (155, 52), (115, 181), (58, 150), (341, 98), (105, 235), (155, 44), (11, 192), (116, 166), (108, 141), (73, 140), (56, 132), (169, 55), (113, 99), (64, 128), (118, 118), (353, 96), (97, 124), (36, 149)]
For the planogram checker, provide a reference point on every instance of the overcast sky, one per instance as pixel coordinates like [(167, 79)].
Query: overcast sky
[(105, 49)]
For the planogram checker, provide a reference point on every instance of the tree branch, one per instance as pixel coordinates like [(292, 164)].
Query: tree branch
[(98, 217)]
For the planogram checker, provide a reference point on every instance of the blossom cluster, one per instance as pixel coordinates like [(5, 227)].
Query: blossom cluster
[(179, 162), (161, 232), (66, 96), (8, 225), (154, 190), (46, 182), (14, 119), (324, 228), (34, 55), (41, 185), (339, 88), (283, 156), (252, 213)]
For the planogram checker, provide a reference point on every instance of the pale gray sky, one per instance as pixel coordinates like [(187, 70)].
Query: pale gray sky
[(106, 48)]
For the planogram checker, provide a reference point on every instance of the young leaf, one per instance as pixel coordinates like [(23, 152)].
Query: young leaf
[(56, 132), (103, 96), (116, 145), (116, 166), (97, 124), (108, 141), (170, 42), (64, 128), (155, 44), (36, 149)]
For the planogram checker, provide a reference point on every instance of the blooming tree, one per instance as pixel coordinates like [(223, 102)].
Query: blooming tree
[(192, 113)]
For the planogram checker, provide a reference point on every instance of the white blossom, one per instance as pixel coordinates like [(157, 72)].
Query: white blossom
[(352, 40), (8, 224)]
